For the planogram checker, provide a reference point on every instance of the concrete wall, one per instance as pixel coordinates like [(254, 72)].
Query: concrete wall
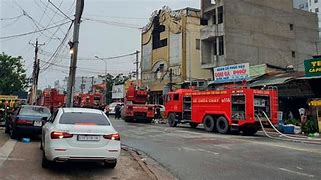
[(182, 28), (259, 32)]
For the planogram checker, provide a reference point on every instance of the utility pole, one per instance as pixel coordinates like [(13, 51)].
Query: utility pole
[(35, 73), (137, 66), (170, 79), (82, 84), (74, 53)]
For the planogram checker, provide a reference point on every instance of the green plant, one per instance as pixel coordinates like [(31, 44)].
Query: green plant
[(310, 126), (295, 122)]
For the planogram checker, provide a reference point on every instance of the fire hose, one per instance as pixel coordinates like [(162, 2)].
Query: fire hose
[(289, 138)]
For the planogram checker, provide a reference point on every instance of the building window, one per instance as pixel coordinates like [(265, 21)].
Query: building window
[(214, 17), (221, 45), (198, 44), (215, 46), (315, 1), (291, 27), (316, 10), (220, 14), (293, 54)]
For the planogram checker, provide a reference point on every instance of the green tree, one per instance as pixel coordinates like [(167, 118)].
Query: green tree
[(111, 80), (12, 75)]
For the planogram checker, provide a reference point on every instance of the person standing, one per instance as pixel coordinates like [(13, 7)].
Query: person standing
[(106, 110), (117, 111)]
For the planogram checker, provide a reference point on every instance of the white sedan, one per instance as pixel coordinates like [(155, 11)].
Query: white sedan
[(79, 134)]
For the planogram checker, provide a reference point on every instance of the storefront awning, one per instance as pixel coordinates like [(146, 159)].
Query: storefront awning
[(271, 81)]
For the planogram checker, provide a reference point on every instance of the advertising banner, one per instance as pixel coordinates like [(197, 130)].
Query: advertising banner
[(118, 92), (232, 73), (312, 67)]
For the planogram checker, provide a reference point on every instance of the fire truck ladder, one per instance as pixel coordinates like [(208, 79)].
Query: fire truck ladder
[(187, 107)]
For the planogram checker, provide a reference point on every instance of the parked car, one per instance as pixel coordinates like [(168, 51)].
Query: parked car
[(79, 134), (113, 105), (26, 119)]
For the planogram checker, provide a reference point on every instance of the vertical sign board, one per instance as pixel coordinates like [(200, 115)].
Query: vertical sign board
[(312, 67), (232, 73), (118, 92)]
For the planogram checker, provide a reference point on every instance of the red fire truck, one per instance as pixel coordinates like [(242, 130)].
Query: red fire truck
[(222, 110), (51, 98), (136, 107), (89, 100)]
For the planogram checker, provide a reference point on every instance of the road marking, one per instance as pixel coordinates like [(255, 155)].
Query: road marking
[(298, 173), (12, 159), (201, 150), (6, 149)]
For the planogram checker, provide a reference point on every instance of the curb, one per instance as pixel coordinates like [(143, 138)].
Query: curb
[(137, 158)]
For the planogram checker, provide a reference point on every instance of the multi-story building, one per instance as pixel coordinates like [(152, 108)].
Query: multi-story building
[(171, 40), (301, 4), (257, 32), (315, 6)]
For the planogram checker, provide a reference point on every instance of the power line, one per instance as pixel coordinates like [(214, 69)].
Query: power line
[(59, 10), (57, 49), (11, 18), (32, 32), (112, 23)]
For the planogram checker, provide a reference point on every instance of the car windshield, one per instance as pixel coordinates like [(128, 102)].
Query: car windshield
[(34, 111), (84, 118)]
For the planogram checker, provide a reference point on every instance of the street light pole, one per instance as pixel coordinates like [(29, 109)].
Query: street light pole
[(105, 94)]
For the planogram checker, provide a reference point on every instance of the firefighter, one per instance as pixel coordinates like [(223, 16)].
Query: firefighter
[(106, 110), (117, 111)]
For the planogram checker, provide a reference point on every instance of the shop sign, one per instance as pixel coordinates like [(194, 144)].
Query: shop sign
[(8, 98), (118, 92), (232, 73), (312, 67), (315, 103)]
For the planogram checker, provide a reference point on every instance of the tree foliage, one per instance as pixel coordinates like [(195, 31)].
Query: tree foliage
[(114, 80), (12, 75)]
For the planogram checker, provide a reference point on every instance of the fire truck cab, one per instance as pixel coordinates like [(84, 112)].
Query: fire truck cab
[(222, 111)]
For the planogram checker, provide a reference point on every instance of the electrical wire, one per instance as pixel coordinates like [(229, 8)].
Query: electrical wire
[(57, 49), (59, 10), (112, 23), (11, 18), (32, 32)]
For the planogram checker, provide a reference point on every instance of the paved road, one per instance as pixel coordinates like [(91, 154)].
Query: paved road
[(195, 154), (19, 161)]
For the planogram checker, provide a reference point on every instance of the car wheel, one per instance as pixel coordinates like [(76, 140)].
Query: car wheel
[(193, 125), (108, 164), (172, 122), (209, 123), (45, 163), (250, 131), (222, 125)]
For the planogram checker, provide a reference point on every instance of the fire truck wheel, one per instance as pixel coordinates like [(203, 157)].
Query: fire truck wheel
[(250, 131), (209, 123), (193, 125), (222, 125), (172, 122)]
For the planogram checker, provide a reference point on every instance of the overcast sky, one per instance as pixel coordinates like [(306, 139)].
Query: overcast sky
[(109, 28)]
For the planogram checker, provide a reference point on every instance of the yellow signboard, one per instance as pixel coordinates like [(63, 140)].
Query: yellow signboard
[(315, 103), (8, 98)]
